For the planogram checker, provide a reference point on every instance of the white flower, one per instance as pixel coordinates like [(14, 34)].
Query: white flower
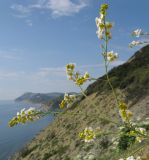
[(100, 26), (137, 32), (141, 130), (130, 158), (72, 96), (67, 101), (66, 96), (99, 33), (139, 139), (134, 43), (88, 135), (31, 109), (86, 75), (24, 116), (111, 56), (22, 111), (98, 21), (101, 16)]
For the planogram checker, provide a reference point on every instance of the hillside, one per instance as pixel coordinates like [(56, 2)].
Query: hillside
[(60, 140), (132, 77)]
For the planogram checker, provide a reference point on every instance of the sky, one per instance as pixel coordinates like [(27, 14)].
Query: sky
[(39, 37)]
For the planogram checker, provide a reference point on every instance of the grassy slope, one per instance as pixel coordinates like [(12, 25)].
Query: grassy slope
[(60, 140)]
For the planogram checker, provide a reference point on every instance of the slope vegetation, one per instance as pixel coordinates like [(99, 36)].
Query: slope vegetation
[(60, 140)]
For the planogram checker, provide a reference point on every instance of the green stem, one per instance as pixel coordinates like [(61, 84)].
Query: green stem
[(112, 88), (83, 92), (106, 67)]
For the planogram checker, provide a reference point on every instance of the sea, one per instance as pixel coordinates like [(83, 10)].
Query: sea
[(14, 139)]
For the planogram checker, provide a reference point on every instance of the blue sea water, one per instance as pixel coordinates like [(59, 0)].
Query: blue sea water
[(13, 139)]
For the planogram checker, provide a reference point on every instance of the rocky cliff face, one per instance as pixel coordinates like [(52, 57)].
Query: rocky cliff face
[(60, 140)]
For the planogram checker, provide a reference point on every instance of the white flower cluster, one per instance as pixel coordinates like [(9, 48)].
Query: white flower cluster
[(104, 32), (111, 56), (68, 99), (24, 116), (103, 27), (25, 112), (135, 43), (76, 77), (131, 158), (137, 32), (141, 133), (88, 135), (100, 26)]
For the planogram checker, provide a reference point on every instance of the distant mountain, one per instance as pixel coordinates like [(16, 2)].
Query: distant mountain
[(47, 99), (42, 98)]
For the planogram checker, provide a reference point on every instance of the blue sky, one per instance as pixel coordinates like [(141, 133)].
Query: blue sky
[(39, 37)]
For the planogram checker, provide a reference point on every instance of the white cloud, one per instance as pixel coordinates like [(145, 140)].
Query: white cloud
[(56, 7), (10, 75), (50, 71), (22, 10), (29, 22), (10, 57), (65, 7), (60, 71), (113, 64), (10, 54), (47, 79)]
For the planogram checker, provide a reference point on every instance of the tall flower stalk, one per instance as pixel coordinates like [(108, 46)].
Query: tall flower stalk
[(106, 36)]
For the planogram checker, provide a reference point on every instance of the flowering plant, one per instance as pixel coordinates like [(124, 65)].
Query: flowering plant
[(129, 132)]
